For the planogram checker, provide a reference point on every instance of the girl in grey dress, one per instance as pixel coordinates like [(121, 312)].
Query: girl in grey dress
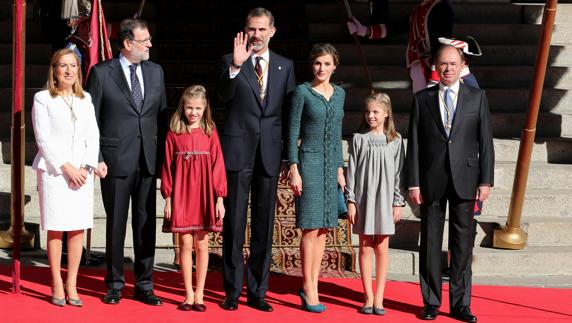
[(375, 200)]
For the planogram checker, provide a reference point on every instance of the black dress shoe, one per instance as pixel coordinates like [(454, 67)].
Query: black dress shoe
[(229, 304), (113, 296), (446, 274), (148, 297), (259, 304), (429, 312), (185, 307), (199, 307), (464, 314)]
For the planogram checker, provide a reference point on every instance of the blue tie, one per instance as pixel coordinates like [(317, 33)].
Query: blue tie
[(449, 110), (136, 87)]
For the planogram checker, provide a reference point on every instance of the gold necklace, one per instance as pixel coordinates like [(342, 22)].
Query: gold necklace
[(70, 106)]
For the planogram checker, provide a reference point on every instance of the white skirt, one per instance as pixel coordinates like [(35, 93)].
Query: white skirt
[(61, 207)]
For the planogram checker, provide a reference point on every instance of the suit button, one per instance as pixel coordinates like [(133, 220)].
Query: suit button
[(138, 136), (450, 141)]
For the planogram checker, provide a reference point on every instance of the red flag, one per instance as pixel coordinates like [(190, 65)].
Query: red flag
[(99, 49)]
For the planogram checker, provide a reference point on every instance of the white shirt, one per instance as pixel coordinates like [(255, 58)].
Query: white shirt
[(454, 95), (127, 72), (263, 64)]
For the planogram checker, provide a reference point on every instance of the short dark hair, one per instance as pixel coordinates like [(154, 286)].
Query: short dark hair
[(442, 48), (259, 12), (126, 28), (322, 49)]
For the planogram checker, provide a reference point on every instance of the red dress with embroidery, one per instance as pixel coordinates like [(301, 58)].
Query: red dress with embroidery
[(193, 176)]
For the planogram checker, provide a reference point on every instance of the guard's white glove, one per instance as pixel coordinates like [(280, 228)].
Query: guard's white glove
[(355, 27)]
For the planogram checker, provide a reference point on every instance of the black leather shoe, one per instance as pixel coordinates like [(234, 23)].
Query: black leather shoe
[(446, 274), (429, 312), (464, 314), (148, 297), (229, 304), (113, 296), (259, 304)]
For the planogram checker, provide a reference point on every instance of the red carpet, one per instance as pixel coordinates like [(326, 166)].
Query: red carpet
[(342, 296)]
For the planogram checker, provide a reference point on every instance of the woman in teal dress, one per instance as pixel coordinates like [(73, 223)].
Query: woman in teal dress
[(316, 164)]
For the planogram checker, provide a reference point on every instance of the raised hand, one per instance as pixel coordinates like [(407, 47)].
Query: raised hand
[(355, 27), (242, 49)]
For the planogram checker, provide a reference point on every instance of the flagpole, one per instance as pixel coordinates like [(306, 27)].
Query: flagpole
[(12, 238)]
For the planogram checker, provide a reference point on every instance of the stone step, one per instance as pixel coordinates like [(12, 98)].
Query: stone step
[(515, 100), (542, 232), (489, 77), (533, 14), (555, 101), (548, 192), (532, 261), (486, 34), (504, 124), (538, 204), (551, 150), (465, 12), (36, 53), (493, 55), (392, 54)]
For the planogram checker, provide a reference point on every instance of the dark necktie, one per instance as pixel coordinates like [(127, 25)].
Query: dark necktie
[(136, 87), (260, 77)]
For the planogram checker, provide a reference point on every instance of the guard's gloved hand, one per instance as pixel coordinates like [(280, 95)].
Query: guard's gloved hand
[(355, 27)]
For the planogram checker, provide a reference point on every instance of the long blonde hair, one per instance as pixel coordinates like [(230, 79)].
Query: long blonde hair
[(52, 83), (179, 123), (385, 102)]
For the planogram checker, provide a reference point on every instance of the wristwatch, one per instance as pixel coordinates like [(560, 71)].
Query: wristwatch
[(88, 168), (235, 65)]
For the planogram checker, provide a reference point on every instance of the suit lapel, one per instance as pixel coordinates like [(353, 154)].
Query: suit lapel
[(250, 75), (459, 111), (435, 111), (273, 70), (147, 79), (119, 78)]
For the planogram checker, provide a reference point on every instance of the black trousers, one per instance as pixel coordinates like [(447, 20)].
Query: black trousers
[(461, 241), (140, 187), (262, 188)]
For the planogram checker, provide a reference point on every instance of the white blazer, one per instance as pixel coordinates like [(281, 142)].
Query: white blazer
[(59, 140)]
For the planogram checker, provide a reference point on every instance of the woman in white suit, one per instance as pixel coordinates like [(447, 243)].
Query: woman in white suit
[(68, 141)]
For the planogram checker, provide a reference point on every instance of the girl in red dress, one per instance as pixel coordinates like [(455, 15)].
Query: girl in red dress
[(193, 184)]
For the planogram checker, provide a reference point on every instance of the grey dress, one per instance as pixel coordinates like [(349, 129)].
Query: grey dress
[(317, 123), (374, 182)]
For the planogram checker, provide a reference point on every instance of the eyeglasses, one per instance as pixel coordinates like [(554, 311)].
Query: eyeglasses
[(144, 41)]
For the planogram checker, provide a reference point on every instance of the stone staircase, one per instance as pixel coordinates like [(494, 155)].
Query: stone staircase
[(508, 35), (188, 42)]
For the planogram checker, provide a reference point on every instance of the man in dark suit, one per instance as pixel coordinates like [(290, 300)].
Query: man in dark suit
[(130, 102), (254, 84), (450, 160)]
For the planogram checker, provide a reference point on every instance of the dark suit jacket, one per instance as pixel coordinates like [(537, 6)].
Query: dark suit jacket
[(123, 129), (468, 154), (248, 122)]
